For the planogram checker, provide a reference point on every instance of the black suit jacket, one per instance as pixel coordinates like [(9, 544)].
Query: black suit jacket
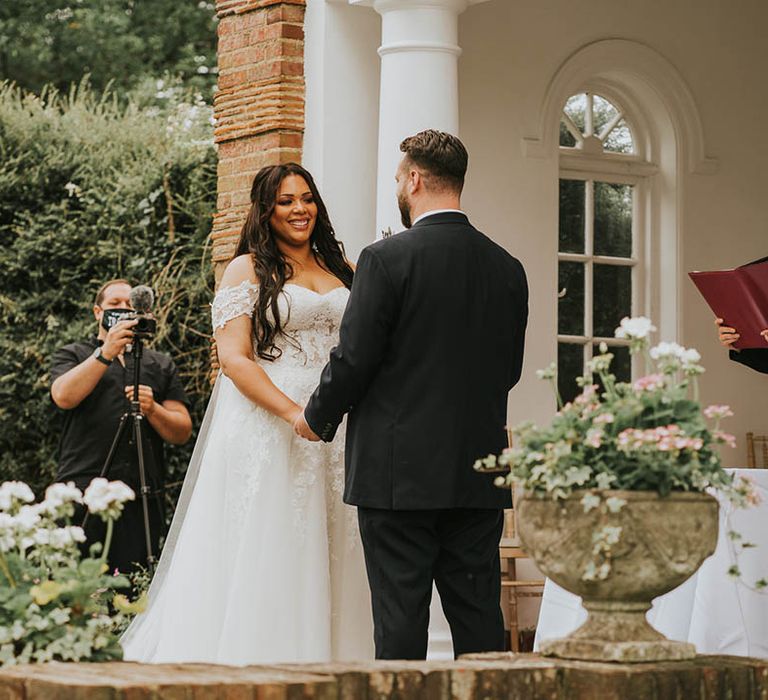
[(756, 358), (430, 344)]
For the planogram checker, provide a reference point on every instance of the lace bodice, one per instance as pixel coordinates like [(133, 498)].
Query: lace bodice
[(310, 320)]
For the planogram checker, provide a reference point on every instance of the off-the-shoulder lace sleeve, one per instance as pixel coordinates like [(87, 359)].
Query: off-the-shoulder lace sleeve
[(231, 302)]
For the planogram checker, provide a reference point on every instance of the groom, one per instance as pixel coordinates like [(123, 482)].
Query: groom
[(430, 344)]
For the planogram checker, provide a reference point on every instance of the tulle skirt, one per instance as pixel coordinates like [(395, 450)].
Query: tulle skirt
[(263, 562)]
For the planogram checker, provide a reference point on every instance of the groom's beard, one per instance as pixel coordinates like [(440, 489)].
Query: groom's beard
[(405, 210)]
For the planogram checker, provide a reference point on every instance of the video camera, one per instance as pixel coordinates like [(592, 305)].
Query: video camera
[(141, 299)]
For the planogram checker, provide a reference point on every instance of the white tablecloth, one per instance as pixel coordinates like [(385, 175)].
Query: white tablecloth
[(711, 610)]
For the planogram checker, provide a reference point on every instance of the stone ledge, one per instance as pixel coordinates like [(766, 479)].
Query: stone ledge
[(514, 676)]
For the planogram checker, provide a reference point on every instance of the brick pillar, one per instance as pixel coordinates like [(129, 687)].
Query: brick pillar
[(259, 104)]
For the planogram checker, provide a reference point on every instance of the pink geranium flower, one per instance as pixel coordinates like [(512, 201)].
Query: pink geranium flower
[(650, 382)]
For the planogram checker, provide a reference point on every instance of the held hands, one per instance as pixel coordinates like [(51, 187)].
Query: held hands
[(302, 429), (117, 338), (146, 399)]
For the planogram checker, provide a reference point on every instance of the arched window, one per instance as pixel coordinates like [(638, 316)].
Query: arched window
[(601, 258)]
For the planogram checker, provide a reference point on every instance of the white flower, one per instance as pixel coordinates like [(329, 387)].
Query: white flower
[(7, 526), (60, 499), (12, 492), (690, 356), (27, 518), (63, 537), (665, 349), (104, 496), (57, 494), (42, 537), (634, 328)]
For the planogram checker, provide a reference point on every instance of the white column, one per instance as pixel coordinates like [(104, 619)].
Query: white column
[(419, 83)]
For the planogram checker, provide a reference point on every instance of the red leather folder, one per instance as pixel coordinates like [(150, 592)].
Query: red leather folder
[(740, 298)]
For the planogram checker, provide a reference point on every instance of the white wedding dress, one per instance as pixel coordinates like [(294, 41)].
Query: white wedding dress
[(263, 562)]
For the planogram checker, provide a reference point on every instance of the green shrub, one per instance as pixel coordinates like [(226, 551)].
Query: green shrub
[(92, 189)]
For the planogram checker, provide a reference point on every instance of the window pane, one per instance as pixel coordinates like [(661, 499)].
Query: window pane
[(571, 223), (612, 298), (570, 306), (570, 364), (603, 112), (613, 219), (620, 139), (621, 365), (575, 108), (566, 137)]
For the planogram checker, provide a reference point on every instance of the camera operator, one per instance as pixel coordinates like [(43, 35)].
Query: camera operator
[(93, 385)]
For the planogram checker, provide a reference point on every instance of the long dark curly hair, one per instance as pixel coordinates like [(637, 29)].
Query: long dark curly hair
[(272, 269)]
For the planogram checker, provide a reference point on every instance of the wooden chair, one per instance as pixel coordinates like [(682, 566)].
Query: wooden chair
[(757, 451), (512, 588)]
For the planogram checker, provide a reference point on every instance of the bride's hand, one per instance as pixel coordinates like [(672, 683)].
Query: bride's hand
[(302, 429), (292, 415)]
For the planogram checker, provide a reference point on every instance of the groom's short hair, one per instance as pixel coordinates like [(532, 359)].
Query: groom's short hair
[(441, 156)]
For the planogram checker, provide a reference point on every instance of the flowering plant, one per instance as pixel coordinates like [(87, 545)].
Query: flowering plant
[(53, 603), (647, 435)]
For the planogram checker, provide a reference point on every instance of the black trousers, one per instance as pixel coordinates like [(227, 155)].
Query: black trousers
[(458, 549)]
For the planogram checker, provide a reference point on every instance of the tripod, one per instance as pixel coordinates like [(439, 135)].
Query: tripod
[(134, 418)]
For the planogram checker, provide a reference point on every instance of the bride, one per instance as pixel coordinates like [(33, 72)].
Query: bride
[(263, 562)]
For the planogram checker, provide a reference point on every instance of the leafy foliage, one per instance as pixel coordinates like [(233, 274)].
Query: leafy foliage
[(58, 42), (647, 436), (91, 190), (56, 604)]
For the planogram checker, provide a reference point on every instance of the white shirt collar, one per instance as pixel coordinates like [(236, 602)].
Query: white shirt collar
[(436, 211)]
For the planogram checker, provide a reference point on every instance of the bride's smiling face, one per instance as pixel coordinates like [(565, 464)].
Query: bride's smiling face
[(295, 213)]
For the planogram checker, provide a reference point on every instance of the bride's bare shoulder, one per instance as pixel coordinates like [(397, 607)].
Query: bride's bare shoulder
[(239, 270)]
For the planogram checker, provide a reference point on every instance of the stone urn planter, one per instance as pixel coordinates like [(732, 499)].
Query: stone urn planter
[(663, 542)]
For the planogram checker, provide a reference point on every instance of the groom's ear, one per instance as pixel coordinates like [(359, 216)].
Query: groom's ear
[(415, 180)]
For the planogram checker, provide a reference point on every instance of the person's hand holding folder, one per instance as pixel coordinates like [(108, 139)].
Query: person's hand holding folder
[(728, 336), (738, 297)]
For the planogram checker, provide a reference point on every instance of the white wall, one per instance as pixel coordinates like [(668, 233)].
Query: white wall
[(512, 50)]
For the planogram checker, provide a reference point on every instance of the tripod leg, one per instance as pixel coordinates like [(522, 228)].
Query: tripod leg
[(110, 455), (137, 418)]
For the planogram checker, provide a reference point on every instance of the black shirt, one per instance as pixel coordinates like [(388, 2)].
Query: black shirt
[(90, 427)]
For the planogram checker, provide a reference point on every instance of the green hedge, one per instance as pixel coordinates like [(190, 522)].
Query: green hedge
[(91, 189)]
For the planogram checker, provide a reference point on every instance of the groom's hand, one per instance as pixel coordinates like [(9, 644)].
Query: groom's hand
[(302, 429)]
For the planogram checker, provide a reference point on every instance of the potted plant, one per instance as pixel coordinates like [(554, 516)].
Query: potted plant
[(615, 503)]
